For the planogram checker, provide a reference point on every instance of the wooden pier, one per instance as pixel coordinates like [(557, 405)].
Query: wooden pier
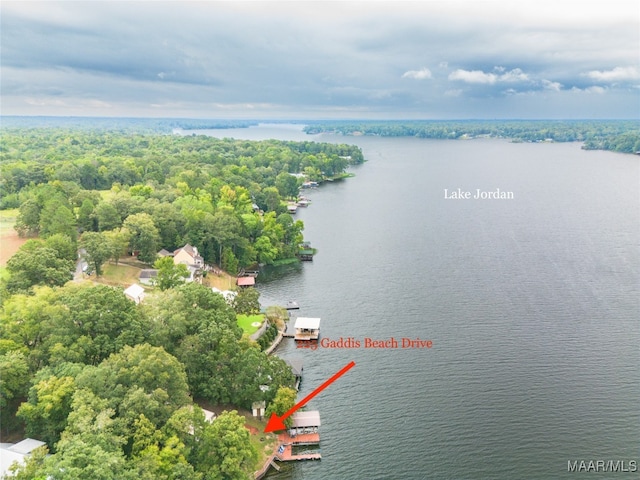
[(289, 456)]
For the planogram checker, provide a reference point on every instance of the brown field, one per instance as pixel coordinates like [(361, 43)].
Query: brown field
[(223, 281), (9, 244)]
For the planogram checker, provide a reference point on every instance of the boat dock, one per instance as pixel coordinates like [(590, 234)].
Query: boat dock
[(288, 456)]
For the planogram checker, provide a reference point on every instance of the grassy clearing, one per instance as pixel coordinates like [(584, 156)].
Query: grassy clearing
[(119, 275), (245, 322), (264, 443), (8, 220), (222, 281)]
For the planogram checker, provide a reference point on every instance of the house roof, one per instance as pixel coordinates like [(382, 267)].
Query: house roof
[(26, 446), (165, 253), (246, 281), (10, 453), (148, 273), (306, 419), (307, 323), (187, 248), (134, 291)]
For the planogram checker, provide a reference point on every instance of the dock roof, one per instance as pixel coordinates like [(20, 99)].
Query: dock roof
[(296, 366), (306, 419), (246, 281), (307, 323)]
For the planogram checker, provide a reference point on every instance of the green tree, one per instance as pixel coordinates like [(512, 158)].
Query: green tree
[(225, 451), (284, 400), (95, 249), (107, 216), (118, 242), (271, 198), (145, 238), (14, 383), (57, 218), (28, 219), (169, 274), (36, 264), (46, 411), (287, 185), (65, 247), (98, 320), (246, 301), (267, 253), (86, 219)]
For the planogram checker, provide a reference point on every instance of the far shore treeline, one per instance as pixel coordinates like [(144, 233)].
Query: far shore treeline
[(615, 135)]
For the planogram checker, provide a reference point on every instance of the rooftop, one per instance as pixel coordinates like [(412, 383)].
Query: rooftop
[(306, 419), (246, 281), (307, 323)]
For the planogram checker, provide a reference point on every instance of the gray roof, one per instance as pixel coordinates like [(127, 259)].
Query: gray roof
[(306, 419), (148, 273), (296, 366)]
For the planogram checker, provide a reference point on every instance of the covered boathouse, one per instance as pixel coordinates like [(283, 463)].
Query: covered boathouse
[(307, 328), (305, 422)]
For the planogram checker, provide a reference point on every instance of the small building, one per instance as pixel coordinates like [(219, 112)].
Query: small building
[(258, 409), (305, 422), (244, 282), (164, 253), (292, 208), (148, 276), (16, 453), (135, 292), (307, 328)]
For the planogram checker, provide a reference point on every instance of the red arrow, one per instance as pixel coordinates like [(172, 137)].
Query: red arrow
[(277, 423)]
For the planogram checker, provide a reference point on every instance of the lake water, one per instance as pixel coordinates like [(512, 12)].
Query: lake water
[(532, 305)]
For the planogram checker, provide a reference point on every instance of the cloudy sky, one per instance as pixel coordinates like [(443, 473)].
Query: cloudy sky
[(303, 60)]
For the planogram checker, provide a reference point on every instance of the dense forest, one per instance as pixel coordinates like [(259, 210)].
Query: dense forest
[(111, 385), (614, 135), (225, 197)]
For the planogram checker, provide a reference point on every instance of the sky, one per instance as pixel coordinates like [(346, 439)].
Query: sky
[(321, 60)]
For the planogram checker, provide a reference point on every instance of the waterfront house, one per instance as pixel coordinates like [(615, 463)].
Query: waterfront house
[(307, 328)]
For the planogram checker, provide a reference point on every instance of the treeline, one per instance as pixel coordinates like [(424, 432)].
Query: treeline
[(616, 135), (108, 384), (226, 197)]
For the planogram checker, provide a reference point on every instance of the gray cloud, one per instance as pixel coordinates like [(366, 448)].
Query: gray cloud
[(397, 59)]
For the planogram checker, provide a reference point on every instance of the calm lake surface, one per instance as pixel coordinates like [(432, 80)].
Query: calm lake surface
[(532, 305)]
